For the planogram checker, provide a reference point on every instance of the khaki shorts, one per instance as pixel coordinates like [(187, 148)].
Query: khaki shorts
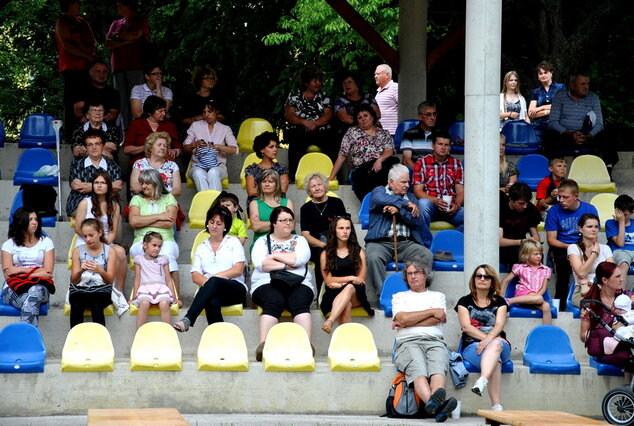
[(421, 356)]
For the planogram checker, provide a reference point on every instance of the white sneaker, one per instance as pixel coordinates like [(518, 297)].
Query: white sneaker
[(480, 386), (497, 407)]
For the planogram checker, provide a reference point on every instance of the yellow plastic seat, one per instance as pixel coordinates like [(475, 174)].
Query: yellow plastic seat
[(330, 194), (249, 129), (249, 159), (190, 182), (154, 309), (69, 261), (199, 206), (352, 348), (356, 312), (440, 225), (541, 227), (88, 347), (156, 347), (222, 348), (604, 204), (200, 237), (285, 313), (313, 148), (287, 348), (314, 162), (591, 175), (108, 310)]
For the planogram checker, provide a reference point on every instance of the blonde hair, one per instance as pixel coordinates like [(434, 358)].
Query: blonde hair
[(507, 77), (152, 138), (503, 163), (272, 174), (527, 248)]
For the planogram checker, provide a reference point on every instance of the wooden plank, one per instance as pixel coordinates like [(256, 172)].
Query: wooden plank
[(135, 417), (535, 418)]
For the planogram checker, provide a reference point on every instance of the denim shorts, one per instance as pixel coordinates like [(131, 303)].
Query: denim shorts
[(470, 354)]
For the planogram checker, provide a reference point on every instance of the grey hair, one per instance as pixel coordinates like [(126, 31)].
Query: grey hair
[(312, 176), (386, 68), (396, 171), (419, 265), (153, 177)]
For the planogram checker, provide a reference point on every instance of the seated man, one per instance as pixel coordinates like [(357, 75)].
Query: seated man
[(518, 217), (562, 231), (393, 210), (547, 189), (439, 186), (99, 90), (420, 351), (417, 140), (620, 233)]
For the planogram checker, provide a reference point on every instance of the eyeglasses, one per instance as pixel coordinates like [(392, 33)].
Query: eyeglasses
[(93, 145), (98, 110), (155, 73), (484, 276), (286, 221), (413, 273), (428, 114)]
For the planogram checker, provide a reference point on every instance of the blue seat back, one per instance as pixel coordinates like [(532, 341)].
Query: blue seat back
[(364, 211), (37, 131), (22, 349), (3, 134), (520, 138), (403, 126), (521, 311), (453, 241), (532, 169), (18, 201), (393, 284), (548, 339), (576, 312), (30, 161), (456, 132)]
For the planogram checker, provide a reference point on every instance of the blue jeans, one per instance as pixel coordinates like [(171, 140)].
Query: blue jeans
[(430, 213), (470, 354)]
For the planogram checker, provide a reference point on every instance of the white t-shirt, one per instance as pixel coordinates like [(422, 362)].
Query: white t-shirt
[(411, 301), (604, 253), (208, 263), (28, 256)]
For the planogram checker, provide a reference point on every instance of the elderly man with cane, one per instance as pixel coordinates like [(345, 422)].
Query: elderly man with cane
[(395, 229)]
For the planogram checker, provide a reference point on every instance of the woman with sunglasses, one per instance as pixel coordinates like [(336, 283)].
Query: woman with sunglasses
[(482, 314)]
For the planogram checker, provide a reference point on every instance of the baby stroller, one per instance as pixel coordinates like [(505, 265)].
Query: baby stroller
[(618, 404)]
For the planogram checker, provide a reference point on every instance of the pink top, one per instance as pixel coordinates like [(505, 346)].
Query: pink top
[(129, 56), (152, 271), (530, 279), (220, 135)]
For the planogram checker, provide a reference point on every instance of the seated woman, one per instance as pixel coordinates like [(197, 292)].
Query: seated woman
[(370, 150), (269, 197), (218, 270), (343, 267), (482, 314), (94, 112), (102, 204), (316, 215), (153, 87), (157, 146), (28, 259), (586, 255), (512, 103), (610, 284), (281, 251), (265, 146), (508, 171), (155, 210), (210, 142)]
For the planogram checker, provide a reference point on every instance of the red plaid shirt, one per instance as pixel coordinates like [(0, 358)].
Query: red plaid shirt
[(438, 179)]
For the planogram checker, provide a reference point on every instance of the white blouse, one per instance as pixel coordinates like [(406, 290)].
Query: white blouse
[(208, 263)]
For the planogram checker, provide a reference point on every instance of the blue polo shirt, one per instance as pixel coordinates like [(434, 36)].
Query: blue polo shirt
[(565, 221)]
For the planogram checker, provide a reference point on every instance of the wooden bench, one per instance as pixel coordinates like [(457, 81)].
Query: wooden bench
[(136, 417), (534, 418)]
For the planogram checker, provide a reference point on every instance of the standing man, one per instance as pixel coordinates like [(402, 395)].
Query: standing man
[(97, 90), (417, 141), (387, 97), (439, 186), (387, 202), (562, 231)]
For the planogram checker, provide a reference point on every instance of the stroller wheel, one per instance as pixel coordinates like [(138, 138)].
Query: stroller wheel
[(618, 407)]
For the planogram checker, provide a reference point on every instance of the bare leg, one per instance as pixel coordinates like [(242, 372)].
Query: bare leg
[(166, 315), (529, 299), (625, 268), (494, 385), (340, 303), (177, 286), (425, 388), (490, 366), (141, 316), (305, 321), (546, 314), (346, 315), (266, 323), (122, 267)]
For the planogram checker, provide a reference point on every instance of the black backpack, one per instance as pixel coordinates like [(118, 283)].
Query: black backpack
[(40, 198)]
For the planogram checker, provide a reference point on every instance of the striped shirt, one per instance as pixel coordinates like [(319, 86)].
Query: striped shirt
[(387, 98), (569, 114)]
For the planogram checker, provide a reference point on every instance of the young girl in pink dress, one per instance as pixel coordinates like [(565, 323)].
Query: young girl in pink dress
[(152, 282), (533, 278)]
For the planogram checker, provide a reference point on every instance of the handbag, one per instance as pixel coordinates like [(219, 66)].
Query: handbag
[(581, 289), (21, 283), (283, 279)]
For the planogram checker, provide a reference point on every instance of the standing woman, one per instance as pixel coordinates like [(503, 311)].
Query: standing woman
[(28, 259), (508, 170), (281, 250), (210, 142), (102, 204), (482, 314), (157, 147), (204, 81), (512, 103), (542, 97), (218, 270), (343, 267), (352, 96)]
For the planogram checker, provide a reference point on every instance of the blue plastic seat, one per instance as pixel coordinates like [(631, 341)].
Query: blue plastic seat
[(453, 241), (3, 135), (532, 169), (403, 126), (520, 138), (456, 132), (22, 349), (519, 311), (364, 211), (391, 266), (393, 284), (18, 201), (507, 367), (605, 369), (12, 311), (576, 311), (30, 162), (548, 351), (37, 131)]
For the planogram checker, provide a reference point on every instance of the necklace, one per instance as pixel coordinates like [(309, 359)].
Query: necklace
[(321, 211)]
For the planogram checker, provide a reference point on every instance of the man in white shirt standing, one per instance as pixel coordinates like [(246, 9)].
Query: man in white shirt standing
[(387, 97), (420, 351)]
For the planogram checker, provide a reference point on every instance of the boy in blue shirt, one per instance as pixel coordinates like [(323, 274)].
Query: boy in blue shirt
[(620, 233)]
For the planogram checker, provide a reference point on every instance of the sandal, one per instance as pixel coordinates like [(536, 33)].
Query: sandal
[(258, 351), (181, 326), (327, 328)]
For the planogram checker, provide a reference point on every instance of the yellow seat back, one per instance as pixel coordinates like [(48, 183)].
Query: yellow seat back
[(249, 159), (200, 237), (591, 175), (249, 129), (604, 203), (88, 347), (352, 348), (356, 312), (69, 262), (199, 206), (154, 310), (329, 193), (314, 162), (222, 348), (156, 347), (287, 348)]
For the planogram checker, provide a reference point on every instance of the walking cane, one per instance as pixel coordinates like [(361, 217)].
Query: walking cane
[(395, 241), (57, 124)]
